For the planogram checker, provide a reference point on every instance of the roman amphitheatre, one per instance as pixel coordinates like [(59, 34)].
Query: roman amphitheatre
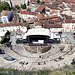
[(37, 57)]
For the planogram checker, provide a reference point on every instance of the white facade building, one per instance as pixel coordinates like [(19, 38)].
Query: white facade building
[(27, 16), (56, 30), (13, 28), (68, 27), (73, 14), (4, 19)]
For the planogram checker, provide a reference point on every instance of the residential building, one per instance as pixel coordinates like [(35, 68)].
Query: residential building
[(55, 28), (33, 6), (68, 25), (13, 27), (67, 12), (26, 15), (4, 16), (73, 13), (40, 9)]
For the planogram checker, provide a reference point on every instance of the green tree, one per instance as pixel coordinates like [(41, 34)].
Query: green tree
[(5, 38), (4, 6), (13, 8), (17, 6), (42, 3), (1, 7), (38, 1), (23, 6)]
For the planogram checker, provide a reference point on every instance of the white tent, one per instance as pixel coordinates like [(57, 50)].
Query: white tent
[(4, 19), (38, 31)]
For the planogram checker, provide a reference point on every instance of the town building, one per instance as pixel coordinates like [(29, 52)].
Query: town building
[(73, 13), (4, 16), (68, 26), (40, 9), (18, 27), (26, 15)]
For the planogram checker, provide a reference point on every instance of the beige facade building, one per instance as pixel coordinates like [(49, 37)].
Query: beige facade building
[(69, 26), (67, 12)]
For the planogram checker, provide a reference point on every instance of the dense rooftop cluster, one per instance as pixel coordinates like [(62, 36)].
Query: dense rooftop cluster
[(51, 14)]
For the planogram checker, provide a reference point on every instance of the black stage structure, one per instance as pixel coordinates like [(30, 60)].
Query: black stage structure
[(38, 39)]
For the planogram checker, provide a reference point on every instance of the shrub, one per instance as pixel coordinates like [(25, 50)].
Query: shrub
[(23, 6), (17, 6)]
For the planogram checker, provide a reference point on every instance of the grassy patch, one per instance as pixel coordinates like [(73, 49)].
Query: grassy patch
[(63, 71)]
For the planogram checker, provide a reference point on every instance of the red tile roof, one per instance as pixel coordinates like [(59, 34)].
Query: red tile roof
[(46, 1), (68, 17), (37, 23), (53, 16), (40, 8), (30, 20), (62, 6), (13, 24), (24, 12), (73, 9), (40, 16), (69, 21), (69, 2), (2, 25), (52, 12), (33, 0), (50, 5), (57, 2), (53, 26), (55, 8), (5, 13), (42, 21), (32, 13), (36, 19), (57, 20)]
